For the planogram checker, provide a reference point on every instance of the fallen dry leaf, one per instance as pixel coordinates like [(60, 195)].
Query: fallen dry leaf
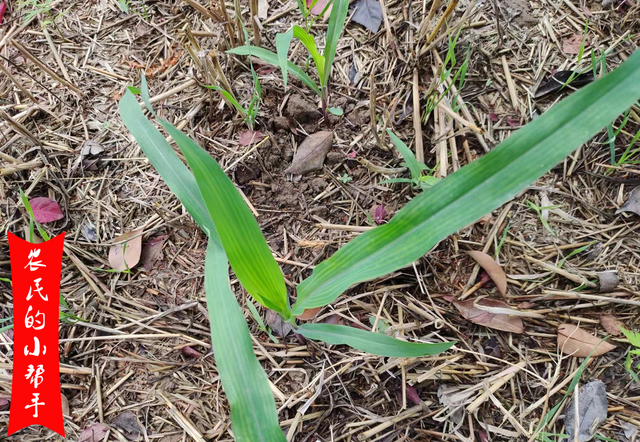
[(152, 251), (368, 14), (278, 325), (94, 433), (571, 45), (492, 268), (574, 341), (249, 137), (311, 153), (611, 324), (309, 314), (126, 254), (190, 352), (4, 404), (65, 405), (499, 321), (592, 412), (129, 424), (633, 202), (45, 210), (412, 395)]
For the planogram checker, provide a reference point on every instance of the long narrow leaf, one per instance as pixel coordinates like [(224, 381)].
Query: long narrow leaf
[(309, 43), (173, 171), (253, 409), (334, 31), (272, 58), (407, 155), (246, 248), (283, 41), (374, 343), (475, 189), (242, 381)]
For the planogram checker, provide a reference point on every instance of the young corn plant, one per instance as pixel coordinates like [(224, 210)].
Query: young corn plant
[(323, 62), (451, 204), (417, 180)]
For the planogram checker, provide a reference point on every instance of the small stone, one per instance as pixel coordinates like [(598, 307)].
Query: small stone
[(301, 110), (334, 158), (280, 123)]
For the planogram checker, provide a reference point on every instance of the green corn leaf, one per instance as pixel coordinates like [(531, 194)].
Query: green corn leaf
[(476, 189), (246, 248), (409, 157), (283, 41), (239, 369), (334, 31), (253, 409), (633, 337), (229, 97), (173, 171), (374, 343), (309, 43), (272, 58)]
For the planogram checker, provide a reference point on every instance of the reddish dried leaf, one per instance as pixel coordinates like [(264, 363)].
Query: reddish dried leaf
[(571, 45), (249, 137), (94, 433), (45, 210), (492, 268), (574, 341), (493, 117), (4, 404), (611, 324), (190, 352), (126, 253), (3, 8), (412, 395), (152, 251), (498, 321), (309, 314)]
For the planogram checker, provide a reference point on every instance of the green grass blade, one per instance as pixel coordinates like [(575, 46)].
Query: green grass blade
[(253, 409), (374, 343), (407, 155), (334, 31), (229, 97), (272, 58), (309, 43), (173, 171), (242, 377), (246, 248), (283, 41), (476, 189)]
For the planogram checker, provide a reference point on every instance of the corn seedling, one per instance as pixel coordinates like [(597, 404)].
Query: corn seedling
[(542, 218), (323, 62), (418, 180), (634, 339), (250, 112), (451, 204), (448, 67)]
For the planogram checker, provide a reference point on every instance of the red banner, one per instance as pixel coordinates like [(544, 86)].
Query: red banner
[(35, 387)]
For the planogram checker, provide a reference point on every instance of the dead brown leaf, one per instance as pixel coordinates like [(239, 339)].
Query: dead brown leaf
[(309, 314), (633, 202), (279, 326), (129, 424), (571, 45), (611, 324), (94, 433), (125, 252), (499, 321), (492, 268), (311, 153), (65, 405), (152, 251), (574, 341)]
